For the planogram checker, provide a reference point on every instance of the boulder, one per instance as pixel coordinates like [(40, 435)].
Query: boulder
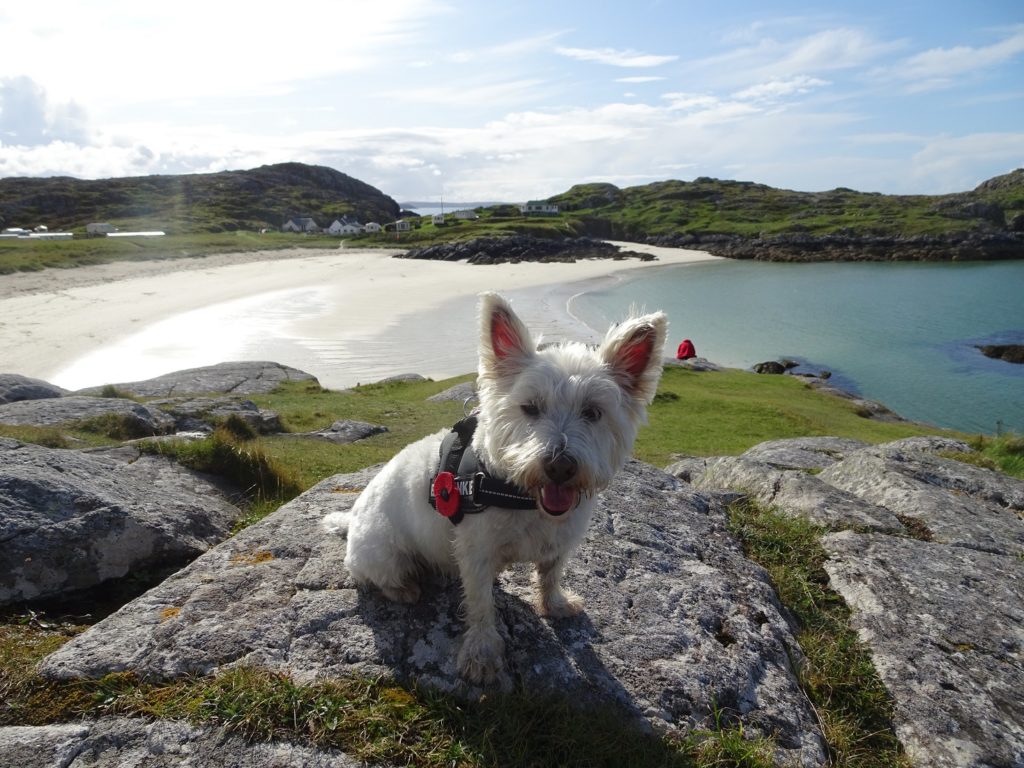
[(945, 626), (239, 378), (678, 625), (136, 418), (15, 387), (343, 432), (116, 742), (804, 452), (694, 364), (795, 493), (70, 520), (956, 502), (770, 366), (460, 393)]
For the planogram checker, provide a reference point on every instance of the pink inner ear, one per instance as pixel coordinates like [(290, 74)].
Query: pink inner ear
[(504, 339), (634, 355)]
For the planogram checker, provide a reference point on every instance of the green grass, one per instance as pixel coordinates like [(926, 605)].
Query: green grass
[(33, 255), (727, 412), (853, 707)]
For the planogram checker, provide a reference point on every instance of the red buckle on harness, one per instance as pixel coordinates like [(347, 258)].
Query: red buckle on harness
[(446, 494)]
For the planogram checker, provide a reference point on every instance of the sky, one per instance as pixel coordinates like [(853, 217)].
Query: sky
[(453, 100)]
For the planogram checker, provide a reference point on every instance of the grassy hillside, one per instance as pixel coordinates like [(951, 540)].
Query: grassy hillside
[(207, 202)]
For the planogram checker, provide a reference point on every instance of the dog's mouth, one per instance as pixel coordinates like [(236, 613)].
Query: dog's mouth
[(558, 499)]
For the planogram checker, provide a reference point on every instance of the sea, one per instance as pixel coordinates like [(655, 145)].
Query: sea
[(905, 334)]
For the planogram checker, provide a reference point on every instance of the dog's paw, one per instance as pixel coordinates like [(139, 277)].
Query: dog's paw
[(482, 656), (560, 604), (406, 592)]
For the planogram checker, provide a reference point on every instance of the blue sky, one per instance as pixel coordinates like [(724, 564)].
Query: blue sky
[(518, 100)]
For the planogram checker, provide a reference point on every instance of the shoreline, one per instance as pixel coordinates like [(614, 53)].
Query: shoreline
[(345, 316)]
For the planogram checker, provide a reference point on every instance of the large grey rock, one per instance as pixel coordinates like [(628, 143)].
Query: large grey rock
[(15, 387), (117, 742), (958, 503), (803, 452), (201, 413), (343, 432), (794, 492), (946, 630), (239, 378), (459, 393), (70, 520), (56, 411), (678, 622)]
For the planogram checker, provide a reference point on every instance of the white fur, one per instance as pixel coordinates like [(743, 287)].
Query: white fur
[(393, 532)]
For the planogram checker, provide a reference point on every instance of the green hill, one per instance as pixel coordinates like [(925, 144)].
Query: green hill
[(207, 202)]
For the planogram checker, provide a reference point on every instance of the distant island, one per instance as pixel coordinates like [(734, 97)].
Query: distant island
[(736, 219)]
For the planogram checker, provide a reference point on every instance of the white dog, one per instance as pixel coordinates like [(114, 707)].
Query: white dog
[(516, 483)]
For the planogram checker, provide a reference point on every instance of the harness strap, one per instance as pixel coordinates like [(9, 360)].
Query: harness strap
[(463, 485)]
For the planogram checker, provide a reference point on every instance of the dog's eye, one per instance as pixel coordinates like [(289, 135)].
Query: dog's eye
[(591, 413), (531, 409)]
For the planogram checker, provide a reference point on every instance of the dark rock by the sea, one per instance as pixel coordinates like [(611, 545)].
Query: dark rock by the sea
[(1011, 353), (517, 248), (961, 246), (137, 418)]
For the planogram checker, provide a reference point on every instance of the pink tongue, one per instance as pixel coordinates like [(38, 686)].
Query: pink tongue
[(557, 499)]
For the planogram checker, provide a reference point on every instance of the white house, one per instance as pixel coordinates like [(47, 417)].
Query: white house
[(538, 208), (99, 228), (438, 219), (345, 226), (402, 226), (371, 227), (300, 224), (466, 214)]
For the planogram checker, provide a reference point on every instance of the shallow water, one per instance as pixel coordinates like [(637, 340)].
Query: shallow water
[(902, 333)]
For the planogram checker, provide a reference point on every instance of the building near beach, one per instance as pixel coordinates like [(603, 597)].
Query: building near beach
[(300, 224), (345, 226), (538, 208)]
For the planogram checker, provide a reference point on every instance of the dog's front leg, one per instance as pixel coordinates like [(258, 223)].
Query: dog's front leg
[(552, 599), (481, 657)]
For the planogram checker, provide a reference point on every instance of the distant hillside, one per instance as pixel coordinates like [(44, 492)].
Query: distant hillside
[(207, 202), (709, 206)]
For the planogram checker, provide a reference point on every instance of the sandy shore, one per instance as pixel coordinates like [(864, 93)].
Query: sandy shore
[(345, 316)]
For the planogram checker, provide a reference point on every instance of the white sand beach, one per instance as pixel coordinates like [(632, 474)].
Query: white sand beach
[(346, 316)]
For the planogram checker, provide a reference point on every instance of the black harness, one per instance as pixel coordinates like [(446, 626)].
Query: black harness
[(463, 486)]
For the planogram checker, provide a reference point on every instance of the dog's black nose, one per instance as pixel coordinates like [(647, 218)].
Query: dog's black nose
[(562, 468)]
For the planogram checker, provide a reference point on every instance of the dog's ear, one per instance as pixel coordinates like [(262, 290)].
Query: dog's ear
[(505, 343), (633, 351)]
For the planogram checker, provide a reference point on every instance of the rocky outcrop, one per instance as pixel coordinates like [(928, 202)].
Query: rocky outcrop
[(799, 246), (15, 387), (116, 742), (202, 414), (929, 555), (1011, 353), (134, 418), (238, 378), (678, 622), (517, 248), (342, 432), (70, 520)]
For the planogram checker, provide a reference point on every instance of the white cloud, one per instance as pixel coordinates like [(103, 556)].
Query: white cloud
[(776, 89), (157, 52), (639, 79), (944, 67), (616, 58)]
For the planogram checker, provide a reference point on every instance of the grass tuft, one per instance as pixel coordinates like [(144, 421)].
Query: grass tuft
[(837, 675)]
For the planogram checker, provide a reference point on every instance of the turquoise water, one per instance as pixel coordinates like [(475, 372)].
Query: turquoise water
[(902, 333)]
